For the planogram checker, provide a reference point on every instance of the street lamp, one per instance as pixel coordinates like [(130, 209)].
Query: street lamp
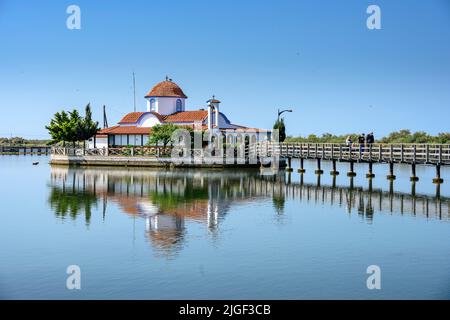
[(281, 112)]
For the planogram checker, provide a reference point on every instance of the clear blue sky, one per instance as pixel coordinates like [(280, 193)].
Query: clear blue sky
[(316, 57)]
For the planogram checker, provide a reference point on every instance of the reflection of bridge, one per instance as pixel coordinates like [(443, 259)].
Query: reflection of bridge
[(365, 201), (204, 195), (167, 199)]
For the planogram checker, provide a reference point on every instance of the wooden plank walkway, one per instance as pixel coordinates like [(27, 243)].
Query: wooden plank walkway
[(39, 150), (396, 153), (266, 152), (413, 154)]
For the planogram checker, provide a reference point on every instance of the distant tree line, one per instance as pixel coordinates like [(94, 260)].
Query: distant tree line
[(19, 141), (402, 136), (71, 127)]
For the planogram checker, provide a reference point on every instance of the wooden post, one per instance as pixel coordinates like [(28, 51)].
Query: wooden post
[(370, 174), (401, 153), (380, 153), (334, 172), (427, 153), (391, 175), (438, 179), (352, 172), (318, 170), (289, 167), (414, 177), (301, 169), (413, 189)]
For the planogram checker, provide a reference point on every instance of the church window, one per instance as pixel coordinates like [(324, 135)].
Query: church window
[(152, 105), (179, 105)]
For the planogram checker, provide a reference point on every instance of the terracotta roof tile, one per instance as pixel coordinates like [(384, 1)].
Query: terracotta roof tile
[(166, 89), (125, 130), (186, 116), (134, 117), (131, 117)]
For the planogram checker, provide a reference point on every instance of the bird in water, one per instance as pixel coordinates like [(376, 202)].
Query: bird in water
[(35, 163)]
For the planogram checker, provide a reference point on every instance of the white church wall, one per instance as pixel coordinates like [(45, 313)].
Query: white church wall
[(148, 120), (166, 105), (99, 143)]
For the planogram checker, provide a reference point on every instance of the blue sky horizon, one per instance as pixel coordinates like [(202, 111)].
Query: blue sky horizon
[(316, 57)]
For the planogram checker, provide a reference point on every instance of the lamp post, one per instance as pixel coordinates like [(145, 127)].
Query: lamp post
[(281, 112)]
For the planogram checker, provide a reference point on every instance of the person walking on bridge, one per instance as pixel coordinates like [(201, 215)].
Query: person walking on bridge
[(361, 141), (348, 141), (370, 139)]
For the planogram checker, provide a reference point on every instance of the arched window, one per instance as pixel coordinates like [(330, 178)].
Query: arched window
[(179, 105), (152, 105)]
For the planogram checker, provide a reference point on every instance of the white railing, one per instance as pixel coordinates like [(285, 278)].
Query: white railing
[(401, 153), (406, 153)]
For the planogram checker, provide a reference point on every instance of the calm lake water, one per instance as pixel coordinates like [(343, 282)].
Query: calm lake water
[(211, 234)]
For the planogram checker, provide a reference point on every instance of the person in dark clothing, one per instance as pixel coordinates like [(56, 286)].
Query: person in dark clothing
[(370, 138), (361, 141)]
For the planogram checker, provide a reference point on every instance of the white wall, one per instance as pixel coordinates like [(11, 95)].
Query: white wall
[(133, 140), (148, 120), (99, 143), (166, 105)]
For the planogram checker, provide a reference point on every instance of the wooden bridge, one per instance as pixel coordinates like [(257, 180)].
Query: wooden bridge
[(413, 154), (258, 153), (39, 150)]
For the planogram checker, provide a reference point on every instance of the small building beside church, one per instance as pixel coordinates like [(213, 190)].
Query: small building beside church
[(166, 103)]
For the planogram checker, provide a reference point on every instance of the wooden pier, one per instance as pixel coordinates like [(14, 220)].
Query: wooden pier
[(259, 154), (25, 150), (413, 154)]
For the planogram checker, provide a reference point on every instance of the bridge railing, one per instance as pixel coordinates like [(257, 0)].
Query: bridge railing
[(399, 153), (403, 153)]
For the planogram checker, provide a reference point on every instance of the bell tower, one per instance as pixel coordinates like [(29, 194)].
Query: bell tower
[(213, 112)]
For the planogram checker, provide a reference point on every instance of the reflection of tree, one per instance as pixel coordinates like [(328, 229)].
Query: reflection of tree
[(165, 199), (71, 203), (278, 202)]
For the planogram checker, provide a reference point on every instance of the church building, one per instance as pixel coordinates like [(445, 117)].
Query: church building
[(166, 103)]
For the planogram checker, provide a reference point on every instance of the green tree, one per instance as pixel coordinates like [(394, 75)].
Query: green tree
[(279, 124), (88, 127), (162, 133), (59, 128), (74, 127), (71, 127)]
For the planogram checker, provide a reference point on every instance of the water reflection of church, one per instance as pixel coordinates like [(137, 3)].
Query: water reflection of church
[(165, 199)]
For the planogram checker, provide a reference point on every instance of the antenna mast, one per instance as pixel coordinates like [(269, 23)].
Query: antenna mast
[(134, 93), (105, 120)]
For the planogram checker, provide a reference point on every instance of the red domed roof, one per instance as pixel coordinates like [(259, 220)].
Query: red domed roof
[(166, 89)]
